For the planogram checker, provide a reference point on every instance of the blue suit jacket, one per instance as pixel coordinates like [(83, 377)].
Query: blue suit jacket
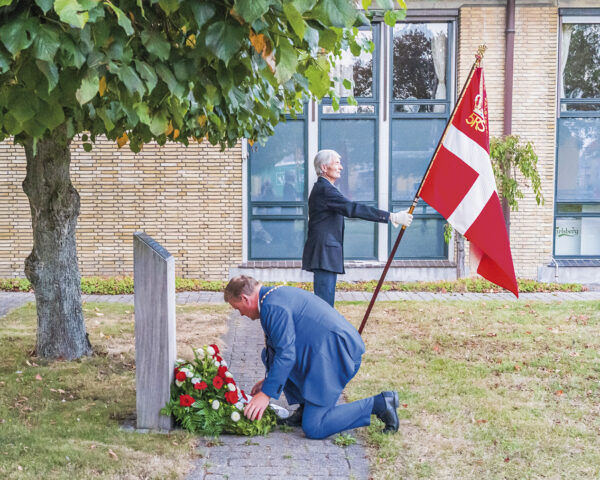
[(309, 344), (327, 208)]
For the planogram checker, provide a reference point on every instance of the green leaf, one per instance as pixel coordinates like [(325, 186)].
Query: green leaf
[(4, 63), (251, 10), (4, 3), (340, 13), (88, 87), (392, 16), (143, 112), (311, 35), (318, 80), (202, 12), (71, 12), (159, 124), (45, 5), (295, 19), (50, 71), (130, 79), (169, 6), (105, 116), (18, 34), (122, 19), (50, 115), (156, 44), (21, 105), (87, 147), (287, 61), (167, 76), (303, 5), (147, 73), (328, 39), (224, 39), (72, 55), (347, 84), (46, 43), (366, 4), (386, 4)]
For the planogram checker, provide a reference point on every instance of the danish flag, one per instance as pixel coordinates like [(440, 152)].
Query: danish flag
[(460, 185)]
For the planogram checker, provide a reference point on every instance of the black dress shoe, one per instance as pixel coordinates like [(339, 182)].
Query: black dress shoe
[(294, 420), (390, 416)]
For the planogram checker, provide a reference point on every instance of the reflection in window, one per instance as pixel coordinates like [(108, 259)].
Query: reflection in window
[(359, 239), (413, 143), (277, 169), (580, 60), (357, 69), (354, 140), (276, 239), (419, 61), (578, 170)]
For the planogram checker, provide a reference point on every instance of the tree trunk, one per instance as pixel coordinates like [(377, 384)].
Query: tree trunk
[(52, 265), (460, 256)]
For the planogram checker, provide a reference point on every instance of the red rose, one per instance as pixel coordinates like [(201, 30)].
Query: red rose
[(217, 382), (221, 371), (231, 397), (186, 400), (216, 349), (229, 380), (181, 376), (218, 358), (200, 386)]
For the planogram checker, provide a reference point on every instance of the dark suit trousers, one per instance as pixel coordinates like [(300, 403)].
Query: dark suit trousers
[(324, 285), (320, 422)]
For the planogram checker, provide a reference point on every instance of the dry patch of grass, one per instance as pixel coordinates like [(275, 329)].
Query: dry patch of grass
[(62, 419), (487, 390)]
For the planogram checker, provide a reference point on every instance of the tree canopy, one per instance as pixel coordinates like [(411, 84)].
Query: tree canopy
[(177, 70)]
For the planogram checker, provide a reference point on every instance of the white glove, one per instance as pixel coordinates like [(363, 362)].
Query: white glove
[(401, 218)]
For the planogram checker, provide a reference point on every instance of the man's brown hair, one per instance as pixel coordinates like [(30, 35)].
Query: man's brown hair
[(238, 286)]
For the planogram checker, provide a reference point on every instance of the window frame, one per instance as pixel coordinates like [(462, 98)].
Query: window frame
[(576, 16), (451, 58)]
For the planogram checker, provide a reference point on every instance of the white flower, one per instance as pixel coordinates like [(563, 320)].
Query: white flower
[(217, 364), (224, 363), (235, 416), (239, 405), (189, 374), (210, 350), (179, 361), (231, 387), (196, 380), (227, 374), (215, 405), (200, 352), (178, 383)]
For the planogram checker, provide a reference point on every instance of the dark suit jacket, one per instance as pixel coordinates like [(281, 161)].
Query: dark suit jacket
[(327, 208), (309, 344)]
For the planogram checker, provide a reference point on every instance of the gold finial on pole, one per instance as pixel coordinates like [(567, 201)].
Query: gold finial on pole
[(479, 55)]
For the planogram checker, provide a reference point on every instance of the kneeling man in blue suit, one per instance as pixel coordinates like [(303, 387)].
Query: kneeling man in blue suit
[(311, 353)]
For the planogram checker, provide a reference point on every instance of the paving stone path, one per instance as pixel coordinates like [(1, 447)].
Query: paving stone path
[(281, 454)]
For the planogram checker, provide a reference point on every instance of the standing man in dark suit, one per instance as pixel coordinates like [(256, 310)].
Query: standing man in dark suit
[(324, 251), (311, 353)]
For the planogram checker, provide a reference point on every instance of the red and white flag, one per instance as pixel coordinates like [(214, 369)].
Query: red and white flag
[(460, 185)]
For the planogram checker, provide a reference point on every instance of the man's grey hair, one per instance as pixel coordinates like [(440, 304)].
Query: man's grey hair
[(239, 285), (324, 157)]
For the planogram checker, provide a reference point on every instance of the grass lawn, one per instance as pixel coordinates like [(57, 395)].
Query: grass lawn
[(488, 390), (62, 420)]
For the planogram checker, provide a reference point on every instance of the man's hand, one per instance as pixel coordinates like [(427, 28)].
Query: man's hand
[(401, 218), (257, 388), (255, 409)]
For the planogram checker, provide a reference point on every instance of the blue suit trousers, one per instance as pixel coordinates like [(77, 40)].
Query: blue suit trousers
[(320, 422), (324, 285)]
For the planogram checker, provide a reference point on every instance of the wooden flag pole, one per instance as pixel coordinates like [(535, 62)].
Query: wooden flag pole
[(478, 58)]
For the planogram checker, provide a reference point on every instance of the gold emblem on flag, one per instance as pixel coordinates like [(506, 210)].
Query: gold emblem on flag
[(477, 119)]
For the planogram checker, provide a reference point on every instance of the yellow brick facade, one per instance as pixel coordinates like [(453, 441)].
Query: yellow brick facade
[(188, 199), (534, 109)]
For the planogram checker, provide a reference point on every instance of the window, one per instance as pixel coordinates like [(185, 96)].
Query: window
[(420, 108), (577, 207), (277, 188), (409, 73)]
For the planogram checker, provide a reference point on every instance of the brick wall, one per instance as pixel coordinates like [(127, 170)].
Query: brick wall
[(188, 199), (534, 111)]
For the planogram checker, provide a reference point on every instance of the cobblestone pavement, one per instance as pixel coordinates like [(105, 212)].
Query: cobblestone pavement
[(288, 455)]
